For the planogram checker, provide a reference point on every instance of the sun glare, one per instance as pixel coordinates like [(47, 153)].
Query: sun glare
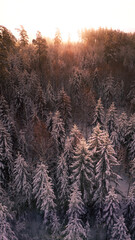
[(69, 16)]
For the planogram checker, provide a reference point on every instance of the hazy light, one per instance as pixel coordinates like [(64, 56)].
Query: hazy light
[(67, 15)]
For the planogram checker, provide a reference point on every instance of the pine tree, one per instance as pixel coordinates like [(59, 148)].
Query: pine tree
[(44, 194), (95, 143), (122, 123), (40, 103), (63, 181), (49, 122), (64, 107), (75, 84), (110, 211), (130, 137), (50, 98), (132, 228), (129, 210), (105, 174), (70, 145), (6, 232), (112, 125), (74, 228), (82, 169), (99, 115), (5, 118), (88, 231), (108, 91), (58, 131), (21, 181), (119, 231), (6, 158)]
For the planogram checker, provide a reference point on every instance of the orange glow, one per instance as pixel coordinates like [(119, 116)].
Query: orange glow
[(69, 16)]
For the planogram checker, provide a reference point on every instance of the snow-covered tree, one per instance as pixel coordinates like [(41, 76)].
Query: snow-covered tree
[(129, 210), (122, 125), (112, 125), (119, 231), (75, 84), (6, 232), (132, 228), (6, 158), (82, 169), (108, 90), (64, 107), (105, 174), (110, 211), (131, 147), (63, 181), (99, 115), (88, 231), (70, 145), (5, 117), (132, 170), (95, 143), (74, 229), (40, 103), (50, 98), (130, 137), (21, 181), (58, 131), (49, 122), (44, 194)]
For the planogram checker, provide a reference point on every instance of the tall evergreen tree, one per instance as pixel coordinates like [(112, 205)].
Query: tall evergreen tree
[(44, 194), (105, 174), (129, 210), (95, 143), (64, 107), (119, 231), (82, 169), (58, 131), (6, 232), (110, 211), (6, 158), (112, 125), (21, 181), (74, 229), (130, 137), (99, 115), (50, 98), (63, 181), (122, 125)]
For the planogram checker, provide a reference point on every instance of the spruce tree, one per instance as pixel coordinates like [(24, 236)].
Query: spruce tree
[(105, 174), (6, 232), (110, 211), (82, 169), (21, 181), (63, 182), (58, 131), (6, 158), (70, 145), (74, 229), (50, 98), (129, 210), (119, 231), (64, 107), (130, 137), (44, 194), (99, 115), (122, 125), (112, 125)]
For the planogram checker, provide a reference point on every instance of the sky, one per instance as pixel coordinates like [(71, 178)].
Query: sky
[(69, 16)]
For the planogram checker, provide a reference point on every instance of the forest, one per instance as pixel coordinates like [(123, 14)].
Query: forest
[(67, 136)]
